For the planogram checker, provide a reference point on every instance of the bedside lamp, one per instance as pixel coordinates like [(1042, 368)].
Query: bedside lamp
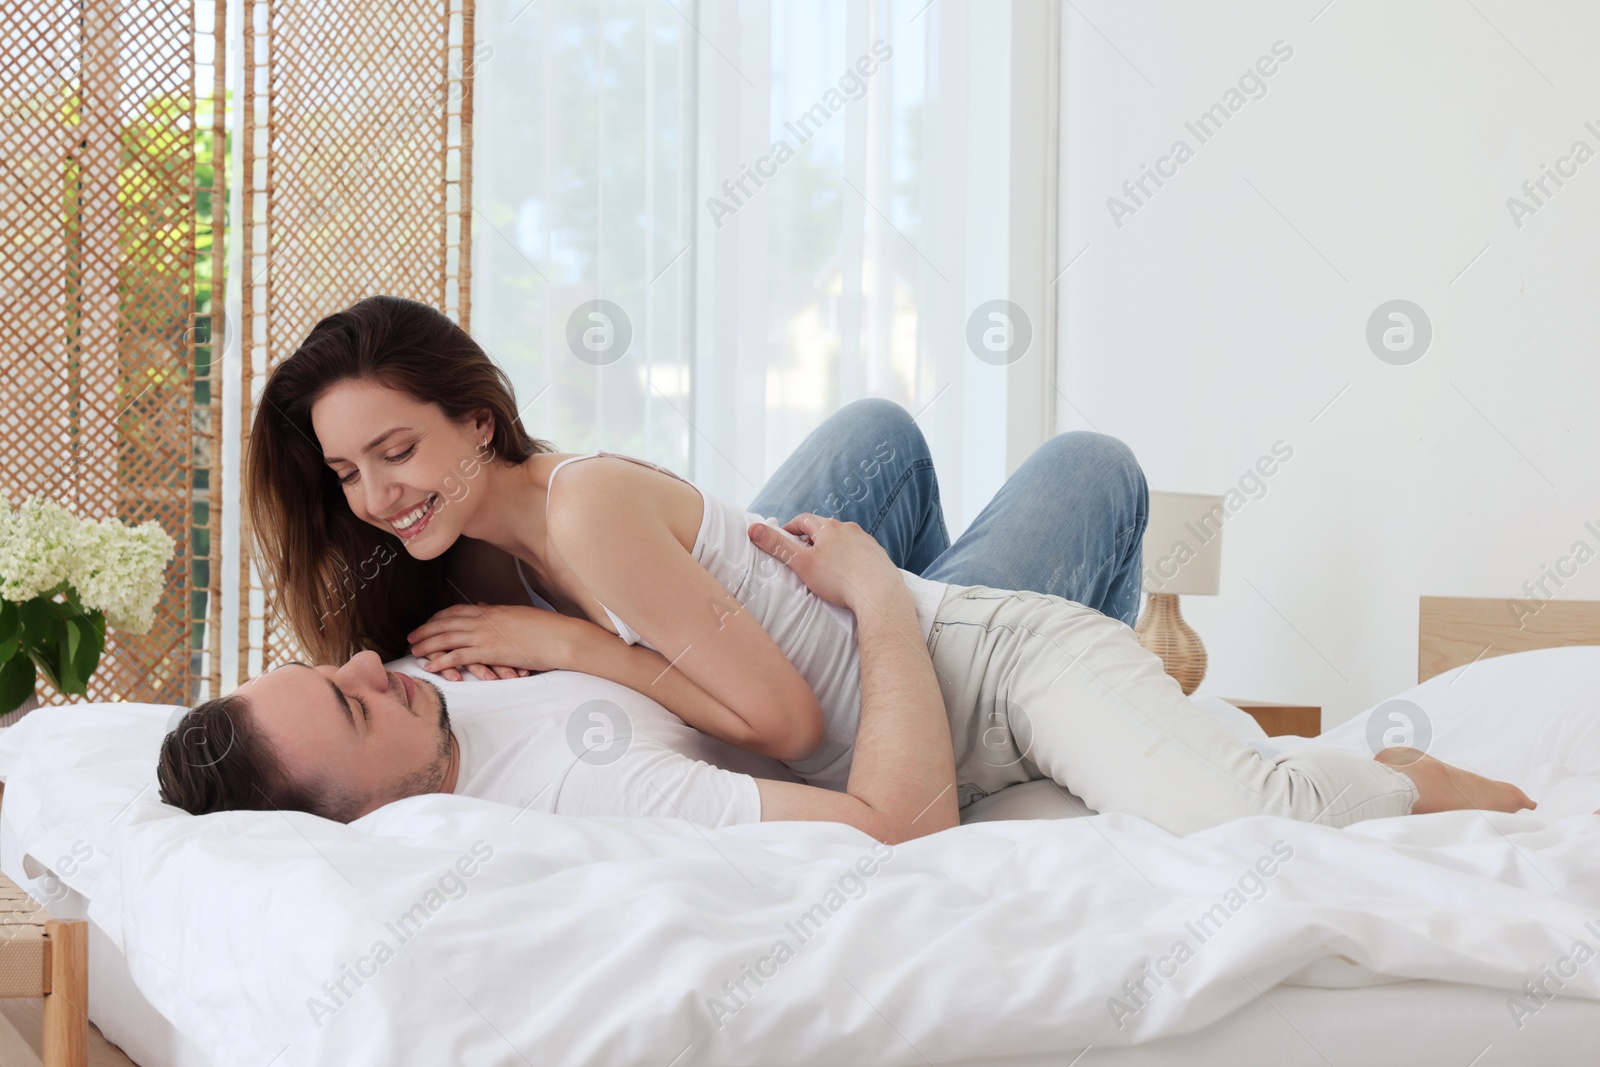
[(1182, 555)]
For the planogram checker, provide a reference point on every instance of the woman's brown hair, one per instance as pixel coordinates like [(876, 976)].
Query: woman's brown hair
[(343, 584)]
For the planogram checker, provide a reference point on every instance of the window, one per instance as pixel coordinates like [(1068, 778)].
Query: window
[(700, 228)]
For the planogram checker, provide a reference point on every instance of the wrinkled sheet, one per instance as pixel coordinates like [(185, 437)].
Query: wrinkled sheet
[(450, 930)]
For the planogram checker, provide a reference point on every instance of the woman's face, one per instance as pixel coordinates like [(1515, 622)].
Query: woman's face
[(406, 466)]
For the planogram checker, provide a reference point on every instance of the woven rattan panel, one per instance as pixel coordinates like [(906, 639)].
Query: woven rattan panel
[(22, 942), (97, 290), (356, 146)]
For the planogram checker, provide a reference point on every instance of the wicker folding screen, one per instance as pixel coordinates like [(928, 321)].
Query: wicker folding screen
[(104, 384), (357, 147)]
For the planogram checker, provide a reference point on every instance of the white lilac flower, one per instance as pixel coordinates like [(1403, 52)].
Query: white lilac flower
[(37, 549), (119, 571), (114, 568)]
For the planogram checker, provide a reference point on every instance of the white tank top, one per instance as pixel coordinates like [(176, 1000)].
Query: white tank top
[(816, 636)]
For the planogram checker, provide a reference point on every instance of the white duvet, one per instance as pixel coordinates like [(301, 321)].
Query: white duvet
[(445, 930)]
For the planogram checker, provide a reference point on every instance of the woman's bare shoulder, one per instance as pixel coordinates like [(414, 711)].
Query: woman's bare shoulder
[(611, 490)]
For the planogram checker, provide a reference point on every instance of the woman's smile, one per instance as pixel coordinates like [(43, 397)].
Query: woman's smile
[(410, 523)]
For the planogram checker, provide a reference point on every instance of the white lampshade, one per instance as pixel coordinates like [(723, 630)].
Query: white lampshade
[(1183, 544)]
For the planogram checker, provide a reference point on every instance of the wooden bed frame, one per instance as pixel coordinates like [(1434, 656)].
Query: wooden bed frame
[(44, 957), (1452, 631), (44, 988)]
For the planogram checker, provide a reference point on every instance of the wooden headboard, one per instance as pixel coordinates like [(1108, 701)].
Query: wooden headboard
[(1454, 630)]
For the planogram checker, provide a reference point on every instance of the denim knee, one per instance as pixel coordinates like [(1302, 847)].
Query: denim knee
[(1112, 461), (881, 420), (872, 411)]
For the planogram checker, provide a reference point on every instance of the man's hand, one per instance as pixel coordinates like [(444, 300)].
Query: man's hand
[(842, 563)]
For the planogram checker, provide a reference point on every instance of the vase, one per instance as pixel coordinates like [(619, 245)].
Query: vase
[(14, 716), (1162, 630)]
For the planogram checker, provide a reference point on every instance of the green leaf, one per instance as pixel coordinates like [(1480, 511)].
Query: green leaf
[(42, 637), (63, 642), (38, 618), (87, 656), (10, 630), (17, 680), (67, 637), (44, 657)]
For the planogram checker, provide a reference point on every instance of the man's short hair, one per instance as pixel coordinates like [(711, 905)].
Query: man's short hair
[(216, 760)]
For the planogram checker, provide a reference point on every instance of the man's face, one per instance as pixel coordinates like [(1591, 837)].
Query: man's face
[(376, 734)]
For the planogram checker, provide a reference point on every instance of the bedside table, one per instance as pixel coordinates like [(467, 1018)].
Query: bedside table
[(1303, 720)]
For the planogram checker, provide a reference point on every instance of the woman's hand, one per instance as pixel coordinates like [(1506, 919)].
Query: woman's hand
[(842, 563), (497, 641)]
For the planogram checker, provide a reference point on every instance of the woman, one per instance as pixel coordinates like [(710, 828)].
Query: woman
[(1068, 522), (358, 454)]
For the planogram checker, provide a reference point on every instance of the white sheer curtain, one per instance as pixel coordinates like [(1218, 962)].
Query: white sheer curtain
[(787, 204), (583, 190)]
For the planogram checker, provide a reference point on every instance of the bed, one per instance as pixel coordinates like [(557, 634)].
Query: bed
[(1003, 942)]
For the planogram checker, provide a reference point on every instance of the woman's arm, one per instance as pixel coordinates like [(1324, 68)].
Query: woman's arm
[(607, 521), (525, 638), (528, 638)]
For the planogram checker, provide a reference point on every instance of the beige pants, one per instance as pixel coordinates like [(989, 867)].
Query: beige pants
[(1040, 687)]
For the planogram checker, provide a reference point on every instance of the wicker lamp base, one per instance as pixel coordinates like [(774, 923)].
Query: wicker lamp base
[(1162, 630)]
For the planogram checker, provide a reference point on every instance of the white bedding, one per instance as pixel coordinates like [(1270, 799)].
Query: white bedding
[(609, 941), (1413, 1023)]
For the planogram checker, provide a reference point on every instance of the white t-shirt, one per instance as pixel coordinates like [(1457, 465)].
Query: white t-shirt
[(573, 744)]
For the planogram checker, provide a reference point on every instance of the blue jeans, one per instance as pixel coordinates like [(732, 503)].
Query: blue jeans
[(1068, 522)]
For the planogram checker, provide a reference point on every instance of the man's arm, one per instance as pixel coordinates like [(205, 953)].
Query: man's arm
[(902, 781)]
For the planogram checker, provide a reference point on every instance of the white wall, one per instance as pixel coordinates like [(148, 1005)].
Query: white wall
[(1231, 308)]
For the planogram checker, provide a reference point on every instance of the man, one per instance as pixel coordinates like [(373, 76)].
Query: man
[(343, 742)]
